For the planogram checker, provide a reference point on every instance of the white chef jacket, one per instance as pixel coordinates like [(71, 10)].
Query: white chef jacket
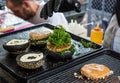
[(56, 19)]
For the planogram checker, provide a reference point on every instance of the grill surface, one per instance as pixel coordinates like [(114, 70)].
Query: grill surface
[(107, 58)]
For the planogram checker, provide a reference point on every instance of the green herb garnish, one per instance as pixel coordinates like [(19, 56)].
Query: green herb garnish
[(60, 63), (88, 44), (59, 37)]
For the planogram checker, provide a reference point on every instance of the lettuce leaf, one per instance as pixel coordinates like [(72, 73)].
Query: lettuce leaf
[(59, 37)]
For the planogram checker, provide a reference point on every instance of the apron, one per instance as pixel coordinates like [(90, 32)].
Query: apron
[(116, 41)]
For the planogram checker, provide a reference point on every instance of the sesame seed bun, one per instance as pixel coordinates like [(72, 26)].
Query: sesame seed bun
[(40, 34)]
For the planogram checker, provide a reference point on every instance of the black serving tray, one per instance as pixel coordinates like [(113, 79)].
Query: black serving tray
[(50, 67), (105, 57)]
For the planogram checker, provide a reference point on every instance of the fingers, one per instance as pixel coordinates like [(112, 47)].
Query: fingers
[(47, 10), (43, 13), (50, 7), (57, 4)]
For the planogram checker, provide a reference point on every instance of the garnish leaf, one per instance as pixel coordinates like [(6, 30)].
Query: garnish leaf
[(59, 37)]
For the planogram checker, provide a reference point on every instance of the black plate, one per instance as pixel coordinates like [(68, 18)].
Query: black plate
[(105, 57), (9, 63)]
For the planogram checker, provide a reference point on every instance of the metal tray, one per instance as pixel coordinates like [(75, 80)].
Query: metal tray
[(9, 63), (106, 57)]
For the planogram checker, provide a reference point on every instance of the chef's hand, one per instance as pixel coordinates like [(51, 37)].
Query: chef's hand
[(59, 6)]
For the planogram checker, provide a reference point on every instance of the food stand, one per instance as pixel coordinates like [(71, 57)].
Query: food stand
[(54, 71)]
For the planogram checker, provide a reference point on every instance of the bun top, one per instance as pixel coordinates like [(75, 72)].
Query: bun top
[(40, 34), (95, 71)]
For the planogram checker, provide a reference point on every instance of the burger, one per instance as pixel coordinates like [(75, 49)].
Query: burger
[(95, 71), (38, 39), (59, 44)]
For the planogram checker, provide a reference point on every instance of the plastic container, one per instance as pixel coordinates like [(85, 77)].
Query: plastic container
[(96, 34)]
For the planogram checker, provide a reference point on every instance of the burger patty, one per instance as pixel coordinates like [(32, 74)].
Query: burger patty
[(95, 71), (58, 49)]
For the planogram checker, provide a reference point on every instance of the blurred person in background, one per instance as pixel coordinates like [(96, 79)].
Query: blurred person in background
[(112, 33), (30, 10)]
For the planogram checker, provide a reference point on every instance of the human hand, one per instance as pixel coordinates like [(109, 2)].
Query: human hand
[(59, 6)]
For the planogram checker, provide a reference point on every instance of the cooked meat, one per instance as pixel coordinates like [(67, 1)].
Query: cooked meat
[(95, 71), (58, 49)]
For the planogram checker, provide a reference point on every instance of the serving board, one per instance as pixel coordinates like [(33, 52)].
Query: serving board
[(50, 67)]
